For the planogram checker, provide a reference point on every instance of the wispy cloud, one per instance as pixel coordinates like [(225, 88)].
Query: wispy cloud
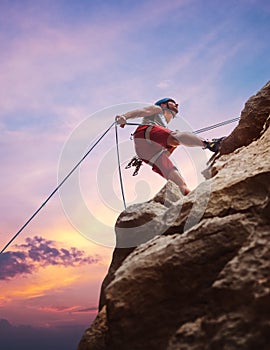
[(50, 65), (73, 309), (38, 252), (60, 308), (55, 70), (87, 310)]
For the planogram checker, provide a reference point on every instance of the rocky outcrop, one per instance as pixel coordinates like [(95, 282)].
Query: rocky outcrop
[(251, 123), (194, 272)]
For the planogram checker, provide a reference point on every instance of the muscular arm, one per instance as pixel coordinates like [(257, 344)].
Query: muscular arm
[(137, 113), (144, 112)]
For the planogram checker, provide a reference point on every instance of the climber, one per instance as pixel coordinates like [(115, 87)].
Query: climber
[(154, 142)]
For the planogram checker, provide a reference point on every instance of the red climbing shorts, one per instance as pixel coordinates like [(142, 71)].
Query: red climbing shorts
[(151, 145)]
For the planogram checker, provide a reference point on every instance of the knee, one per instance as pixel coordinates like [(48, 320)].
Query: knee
[(173, 139), (177, 137), (181, 136)]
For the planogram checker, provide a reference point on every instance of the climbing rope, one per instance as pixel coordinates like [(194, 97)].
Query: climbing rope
[(137, 162), (214, 126), (57, 188), (210, 127), (119, 167), (119, 170)]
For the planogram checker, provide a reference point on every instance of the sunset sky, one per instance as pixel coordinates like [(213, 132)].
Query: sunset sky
[(67, 68)]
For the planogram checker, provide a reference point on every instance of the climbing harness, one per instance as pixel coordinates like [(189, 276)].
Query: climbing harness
[(136, 161), (212, 145)]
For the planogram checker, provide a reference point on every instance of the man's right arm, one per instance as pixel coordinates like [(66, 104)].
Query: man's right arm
[(137, 113)]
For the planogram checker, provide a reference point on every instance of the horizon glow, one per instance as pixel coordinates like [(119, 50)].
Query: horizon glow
[(63, 62)]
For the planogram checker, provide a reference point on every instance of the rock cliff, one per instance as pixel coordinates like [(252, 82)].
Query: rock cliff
[(199, 276)]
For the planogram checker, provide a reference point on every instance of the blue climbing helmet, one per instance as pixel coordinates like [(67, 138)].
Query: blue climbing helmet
[(164, 100)]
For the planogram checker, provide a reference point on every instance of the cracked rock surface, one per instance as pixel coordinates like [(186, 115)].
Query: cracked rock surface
[(193, 273)]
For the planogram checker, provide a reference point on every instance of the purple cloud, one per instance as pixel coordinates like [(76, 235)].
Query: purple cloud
[(38, 252), (14, 263)]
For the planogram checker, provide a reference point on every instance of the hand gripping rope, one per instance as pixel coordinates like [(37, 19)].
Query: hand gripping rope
[(119, 170)]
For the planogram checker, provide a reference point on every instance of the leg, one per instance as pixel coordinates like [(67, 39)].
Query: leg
[(176, 177), (185, 138), (164, 167)]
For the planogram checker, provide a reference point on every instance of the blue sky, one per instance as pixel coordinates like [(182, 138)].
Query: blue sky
[(67, 64)]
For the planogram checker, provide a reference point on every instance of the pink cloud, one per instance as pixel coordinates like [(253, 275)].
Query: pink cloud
[(38, 252), (44, 56)]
